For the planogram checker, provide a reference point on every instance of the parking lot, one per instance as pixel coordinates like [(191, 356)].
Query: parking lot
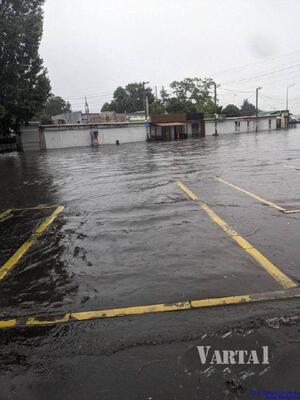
[(113, 245)]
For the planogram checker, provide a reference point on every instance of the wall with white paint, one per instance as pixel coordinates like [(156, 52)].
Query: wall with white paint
[(80, 136), (240, 125)]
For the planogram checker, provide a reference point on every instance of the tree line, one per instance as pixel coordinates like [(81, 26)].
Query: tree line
[(187, 95)]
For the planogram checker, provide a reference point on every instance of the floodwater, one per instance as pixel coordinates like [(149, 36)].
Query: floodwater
[(129, 236)]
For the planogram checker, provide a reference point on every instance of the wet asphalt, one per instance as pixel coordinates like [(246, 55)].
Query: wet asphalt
[(128, 236)]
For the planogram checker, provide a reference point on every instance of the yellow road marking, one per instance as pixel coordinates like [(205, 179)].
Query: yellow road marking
[(274, 271), (15, 258), (32, 321), (48, 221), (34, 208), (119, 312), (269, 203), (5, 214), (292, 167), (10, 323), (187, 191), (291, 211)]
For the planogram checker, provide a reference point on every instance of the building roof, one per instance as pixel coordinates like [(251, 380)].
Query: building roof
[(170, 124), (271, 113)]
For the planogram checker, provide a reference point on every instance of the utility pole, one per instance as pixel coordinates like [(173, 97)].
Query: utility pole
[(256, 108), (287, 103), (216, 116), (86, 106), (287, 95), (146, 109)]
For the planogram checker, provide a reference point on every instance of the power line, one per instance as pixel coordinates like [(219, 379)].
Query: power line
[(268, 60), (265, 74)]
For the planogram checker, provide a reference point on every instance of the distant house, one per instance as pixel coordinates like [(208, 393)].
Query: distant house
[(72, 117), (136, 116), (103, 117), (177, 126), (77, 117), (282, 117)]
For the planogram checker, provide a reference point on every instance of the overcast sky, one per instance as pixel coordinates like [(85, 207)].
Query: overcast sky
[(90, 47)]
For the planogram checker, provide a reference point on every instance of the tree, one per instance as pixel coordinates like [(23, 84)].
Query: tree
[(191, 95), (248, 108), (24, 84), (188, 95), (176, 104), (157, 107), (231, 111), (56, 105), (129, 99)]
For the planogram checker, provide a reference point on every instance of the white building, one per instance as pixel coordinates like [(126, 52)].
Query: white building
[(240, 125), (35, 137)]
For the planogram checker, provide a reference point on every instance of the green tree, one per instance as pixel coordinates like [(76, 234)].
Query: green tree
[(248, 108), (176, 104), (191, 94), (231, 111), (157, 107), (106, 107), (24, 84), (164, 95), (129, 99), (56, 105)]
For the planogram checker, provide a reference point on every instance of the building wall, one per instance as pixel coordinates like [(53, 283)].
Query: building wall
[(229, 126), (56, 138), (189, 129), (72, 117), (29, 140)]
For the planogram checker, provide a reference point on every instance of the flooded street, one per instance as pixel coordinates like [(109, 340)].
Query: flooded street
[(128, 236)]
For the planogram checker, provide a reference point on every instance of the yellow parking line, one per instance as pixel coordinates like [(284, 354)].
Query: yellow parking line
[(35, 208), (10, 323), (15, 258), (291, 211), (274, 271), (292, 167), (32, 321), (119, 312), (191, 195), (5, 214), (269, 203), (48, 221)]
